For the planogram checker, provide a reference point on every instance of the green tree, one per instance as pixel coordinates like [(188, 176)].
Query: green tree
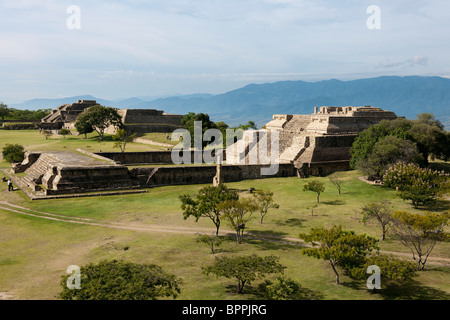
[(244, 269), (100, 118), (380, 211), (122, 138), (420, 185), (205, 203), (4, 111), (420, 232), (315, 186), (283, 288), (47, 134), (64, 132), (340, 248), (83, 124), (386, 152), (337, 179), (210, 240), (251, 125), (425, 132), (238, 213), (264, 200), (120, 280), (188, 121), (392, 269), (13, 153)]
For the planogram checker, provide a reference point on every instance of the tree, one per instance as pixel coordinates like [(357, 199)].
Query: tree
[(380, 211), (264, 200), (4, 111), (392, 269), (122, 138), (425, 132), (83, 124), (64, 132), (238, 213), (100, 118), (210, 240), (315, 186), (251, 125), (420, 232), (13, 153), (244, 269), (420, 185), (188, 121), (341, 248), (47, 134), (282, 289), (120, 280), (205, 203), (337, 180), (386, 152)]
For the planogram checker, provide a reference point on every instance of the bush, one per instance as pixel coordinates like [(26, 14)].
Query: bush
[(13, 153), (420, 185), (20, 126), (120, 280)]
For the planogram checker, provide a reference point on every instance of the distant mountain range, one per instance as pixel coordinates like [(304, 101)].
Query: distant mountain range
[(406, 96)]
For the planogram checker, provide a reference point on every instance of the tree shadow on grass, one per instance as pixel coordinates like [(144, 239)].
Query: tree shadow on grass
[(337, 202), (257, 292), (411, 290), (438, 206), (292, 222)]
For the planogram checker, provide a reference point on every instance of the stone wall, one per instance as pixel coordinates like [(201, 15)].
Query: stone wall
[(146, 157), (180, 175)]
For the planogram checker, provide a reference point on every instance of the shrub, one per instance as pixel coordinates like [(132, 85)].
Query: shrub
[(13, 153), (120, 280), (420, 185)]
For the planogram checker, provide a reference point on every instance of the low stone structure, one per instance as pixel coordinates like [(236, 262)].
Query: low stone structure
[(134, 120), (60, 172), (147, 120)]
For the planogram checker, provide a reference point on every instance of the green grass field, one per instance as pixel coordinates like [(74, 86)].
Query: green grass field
[(35, 252)]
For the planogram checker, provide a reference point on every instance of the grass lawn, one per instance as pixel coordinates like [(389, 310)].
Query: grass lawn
[(35, 252)]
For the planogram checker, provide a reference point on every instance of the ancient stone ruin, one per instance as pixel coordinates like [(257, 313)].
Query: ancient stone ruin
[(316, 144), (65, 114), (62, 172), (134, 120)]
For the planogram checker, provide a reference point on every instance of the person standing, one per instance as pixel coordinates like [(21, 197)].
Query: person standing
[(10, 186)]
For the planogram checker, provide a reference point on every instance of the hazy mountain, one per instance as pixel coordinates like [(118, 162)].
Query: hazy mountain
[(406, 96)]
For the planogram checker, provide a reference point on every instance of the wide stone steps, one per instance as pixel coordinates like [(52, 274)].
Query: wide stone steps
[(37, 170), (294, 150)]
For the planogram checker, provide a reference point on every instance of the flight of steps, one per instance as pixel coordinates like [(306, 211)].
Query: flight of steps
[(297, 147), (36, 171)]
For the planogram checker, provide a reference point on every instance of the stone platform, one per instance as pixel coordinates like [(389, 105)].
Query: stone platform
[(55, 173)]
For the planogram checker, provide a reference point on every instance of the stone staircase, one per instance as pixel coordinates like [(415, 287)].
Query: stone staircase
[(36, 171), (297, 147)]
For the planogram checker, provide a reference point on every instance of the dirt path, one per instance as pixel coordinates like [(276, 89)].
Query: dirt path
[(6, 206)]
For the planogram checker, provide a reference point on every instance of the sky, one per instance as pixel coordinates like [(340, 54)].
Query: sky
[(137, 48)]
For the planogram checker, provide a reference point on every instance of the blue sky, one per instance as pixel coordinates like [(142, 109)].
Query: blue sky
[(163, 47)]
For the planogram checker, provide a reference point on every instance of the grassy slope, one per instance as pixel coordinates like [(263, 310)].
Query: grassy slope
[(35, 253)]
